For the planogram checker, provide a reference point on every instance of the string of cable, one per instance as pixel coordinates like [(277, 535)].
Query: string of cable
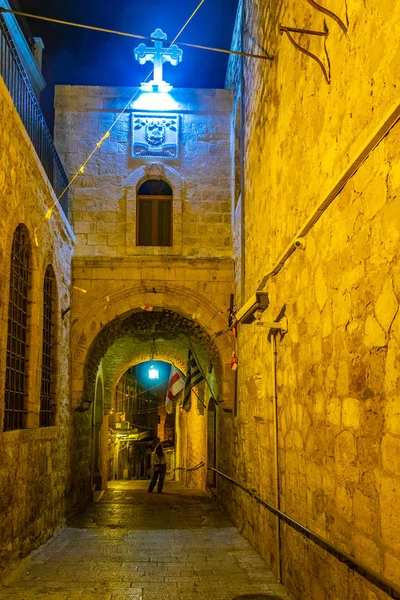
[(145, 412), (134, 35), (148, 410), (131, 397)]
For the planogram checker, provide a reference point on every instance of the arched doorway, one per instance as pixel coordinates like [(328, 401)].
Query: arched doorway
[(140, 417), (127, 341)]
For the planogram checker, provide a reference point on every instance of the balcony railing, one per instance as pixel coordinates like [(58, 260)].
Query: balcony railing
[(14, 4), (24, 98)]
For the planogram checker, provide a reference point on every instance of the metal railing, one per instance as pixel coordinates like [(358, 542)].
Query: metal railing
[(352, 563), (24, 98), (14, 4)]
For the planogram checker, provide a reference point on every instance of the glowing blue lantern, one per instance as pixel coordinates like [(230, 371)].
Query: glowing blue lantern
[(153, 372)]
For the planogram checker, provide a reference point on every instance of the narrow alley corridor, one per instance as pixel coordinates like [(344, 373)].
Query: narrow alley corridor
[(133, 545)]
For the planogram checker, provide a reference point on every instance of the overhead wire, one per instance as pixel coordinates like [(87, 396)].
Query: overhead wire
[(130, 397), (137, 36), (187, 22), (150, 388)]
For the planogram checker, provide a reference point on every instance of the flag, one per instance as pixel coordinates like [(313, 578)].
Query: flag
[(175, 385), (193, 377), (147, 307)]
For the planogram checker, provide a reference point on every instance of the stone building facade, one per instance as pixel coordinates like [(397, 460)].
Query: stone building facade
[(183, 139), (320, 203), (34, 461)]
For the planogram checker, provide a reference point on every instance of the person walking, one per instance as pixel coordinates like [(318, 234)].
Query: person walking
[(159, 466)]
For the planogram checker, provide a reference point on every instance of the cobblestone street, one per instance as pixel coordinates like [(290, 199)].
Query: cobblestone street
[(133, 545)]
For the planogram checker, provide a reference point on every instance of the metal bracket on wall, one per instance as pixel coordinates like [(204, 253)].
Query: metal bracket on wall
[(329, 13), (281, 325), (325, 33)]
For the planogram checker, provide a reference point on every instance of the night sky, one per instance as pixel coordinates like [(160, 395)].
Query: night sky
[(80, 57)]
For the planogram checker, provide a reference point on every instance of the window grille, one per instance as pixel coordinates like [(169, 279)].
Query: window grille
[(154, 214), (17, 336), (47, 395)]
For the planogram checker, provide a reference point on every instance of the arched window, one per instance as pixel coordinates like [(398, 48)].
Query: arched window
[(17, 334), (154, 214), (47, 387)]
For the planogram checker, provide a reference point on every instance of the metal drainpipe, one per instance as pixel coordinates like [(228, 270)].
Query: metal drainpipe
[(242, 193), (187, 448), (274, 354)]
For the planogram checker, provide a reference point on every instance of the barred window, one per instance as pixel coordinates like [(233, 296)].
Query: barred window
[(47, 389), (154, 214), (17, 335)]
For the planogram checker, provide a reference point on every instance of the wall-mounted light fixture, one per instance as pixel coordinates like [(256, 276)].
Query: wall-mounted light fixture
[(153, 372), (253, 308)]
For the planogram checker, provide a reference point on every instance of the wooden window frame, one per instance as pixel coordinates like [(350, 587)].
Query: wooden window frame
[(154, 230)]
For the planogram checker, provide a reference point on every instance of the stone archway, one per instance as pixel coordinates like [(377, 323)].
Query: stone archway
[(100, 322), (156, 171), (119, 334), (193, 291), (127, 340)]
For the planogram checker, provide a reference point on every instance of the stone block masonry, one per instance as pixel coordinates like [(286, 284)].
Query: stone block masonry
[(34, 465), (337, 367), (104, 197)]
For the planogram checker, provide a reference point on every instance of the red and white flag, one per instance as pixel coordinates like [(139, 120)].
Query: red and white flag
[(175, 385)]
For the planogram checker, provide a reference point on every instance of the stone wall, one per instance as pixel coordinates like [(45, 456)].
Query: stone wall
[(337, 367), (34, 462), (104, 197)]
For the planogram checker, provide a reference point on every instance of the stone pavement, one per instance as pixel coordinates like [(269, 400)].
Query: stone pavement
[(133, 545)]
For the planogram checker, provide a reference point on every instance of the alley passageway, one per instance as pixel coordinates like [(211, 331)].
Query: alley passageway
[(133, 545)]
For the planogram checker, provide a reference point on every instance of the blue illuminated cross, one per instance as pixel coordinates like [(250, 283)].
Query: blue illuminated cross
[(158, 55)]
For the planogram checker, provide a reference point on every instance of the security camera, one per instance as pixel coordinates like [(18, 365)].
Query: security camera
[(300, 243), (253, 308)]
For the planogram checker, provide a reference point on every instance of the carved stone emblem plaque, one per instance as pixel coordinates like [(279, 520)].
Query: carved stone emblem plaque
[(155, 136)]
